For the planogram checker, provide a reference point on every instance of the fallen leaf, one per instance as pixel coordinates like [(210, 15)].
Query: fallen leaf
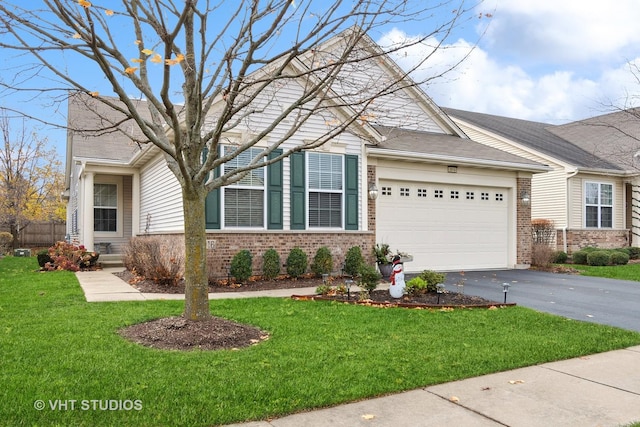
[(368, 416), (485, 388), (516, 382), (454, 399)]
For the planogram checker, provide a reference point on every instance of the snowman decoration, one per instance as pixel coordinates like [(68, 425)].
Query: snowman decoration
[(396, 289)]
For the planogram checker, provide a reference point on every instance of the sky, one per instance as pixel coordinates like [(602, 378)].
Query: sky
[(552, 61)]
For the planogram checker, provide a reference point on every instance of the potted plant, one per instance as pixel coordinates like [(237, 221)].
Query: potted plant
[(383, 258)]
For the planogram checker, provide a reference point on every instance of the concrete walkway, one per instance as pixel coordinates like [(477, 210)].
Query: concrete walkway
[(598, 390)]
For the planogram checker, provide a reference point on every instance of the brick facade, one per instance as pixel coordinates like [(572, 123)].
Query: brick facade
[(581, 238), (523, 226)]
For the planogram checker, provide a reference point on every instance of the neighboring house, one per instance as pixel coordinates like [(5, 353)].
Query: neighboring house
[(589, 191), (420, 185)]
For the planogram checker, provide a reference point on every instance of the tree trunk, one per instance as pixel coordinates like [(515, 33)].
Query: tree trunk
[(196, 304)]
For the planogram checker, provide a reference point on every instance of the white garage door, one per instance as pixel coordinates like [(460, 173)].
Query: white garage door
[(444, 227)]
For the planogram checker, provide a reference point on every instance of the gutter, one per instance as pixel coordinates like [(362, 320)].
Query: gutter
[(445, 159)]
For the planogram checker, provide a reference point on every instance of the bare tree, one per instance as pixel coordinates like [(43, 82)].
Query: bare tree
[(208, 67), (31, 178)]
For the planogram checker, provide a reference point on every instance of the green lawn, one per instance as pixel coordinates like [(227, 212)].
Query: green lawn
[(58, 348), (620, 272)]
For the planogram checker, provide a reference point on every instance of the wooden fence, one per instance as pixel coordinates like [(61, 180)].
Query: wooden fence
[(39, 234)]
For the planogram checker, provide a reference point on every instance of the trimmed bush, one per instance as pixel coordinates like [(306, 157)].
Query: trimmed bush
[(634, 252), (241, 266), (369, 277), (560, 257), (270, 264), (322, 262), (296, 263), (598, 258), (353, 261), (432, 278), (579, 257), (618, 258)]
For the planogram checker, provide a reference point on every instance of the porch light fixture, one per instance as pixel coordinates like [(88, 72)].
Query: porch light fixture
[(373, 191), (505, 289), (440, 290), (525, 198)]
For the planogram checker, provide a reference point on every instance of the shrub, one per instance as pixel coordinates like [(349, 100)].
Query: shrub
[(241, 265), (155, 258), (270, 264), (618, 258), (296, 263), (369, 277), (432, 278), (598, 258), (541, 255), (560, 257), (322, 262), (416, 286), (323, 289), (579, 257), (67, 256), (353, 261), (5, 242), (634, 252), (43, 258)]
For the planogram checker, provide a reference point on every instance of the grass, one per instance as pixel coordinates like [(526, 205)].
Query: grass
[(56, 347), (620, 272)]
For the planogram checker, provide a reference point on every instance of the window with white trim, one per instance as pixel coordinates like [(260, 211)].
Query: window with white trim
[(325, 178), (105, 207), (244, 200), (598, 199)]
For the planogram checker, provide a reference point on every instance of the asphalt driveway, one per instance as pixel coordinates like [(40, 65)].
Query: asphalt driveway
[(605, 301)]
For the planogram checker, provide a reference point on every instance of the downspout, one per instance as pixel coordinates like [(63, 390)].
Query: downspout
[(566, 221)]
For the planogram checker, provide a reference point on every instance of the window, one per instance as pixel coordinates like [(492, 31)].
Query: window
[(325, 173), (422, 192), (386, 191), (438, 194), (105, 207), (244, 200), (499, 197), (598, 199), (455, 194), (470, 195), (484, 196), (404, 192)]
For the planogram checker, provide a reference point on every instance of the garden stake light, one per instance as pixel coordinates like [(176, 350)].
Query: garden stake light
[(440, 290), (505, 289), (348, 283)]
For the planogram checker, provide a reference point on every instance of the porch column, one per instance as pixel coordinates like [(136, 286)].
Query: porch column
[(635, 212), (87, 220), (135, 204)]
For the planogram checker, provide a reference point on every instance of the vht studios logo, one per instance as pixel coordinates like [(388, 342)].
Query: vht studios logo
[(88, 405)]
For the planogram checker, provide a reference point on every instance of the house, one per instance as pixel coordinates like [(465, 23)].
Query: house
[(592, 186), (405, 174)]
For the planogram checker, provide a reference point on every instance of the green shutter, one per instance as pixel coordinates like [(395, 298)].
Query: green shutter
[(351, 193), (212, 204), (274, 193), (297, 178)]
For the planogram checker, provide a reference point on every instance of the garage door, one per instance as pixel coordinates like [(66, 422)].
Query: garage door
[(444, 227)]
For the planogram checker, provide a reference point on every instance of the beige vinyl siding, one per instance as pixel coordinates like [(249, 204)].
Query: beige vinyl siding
[(160, 199), (576, 207), (549, 197)]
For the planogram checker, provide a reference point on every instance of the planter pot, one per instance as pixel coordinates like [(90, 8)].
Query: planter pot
[(385, 270)]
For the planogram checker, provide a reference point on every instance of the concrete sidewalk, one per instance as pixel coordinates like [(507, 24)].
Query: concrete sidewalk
[(598, 390)]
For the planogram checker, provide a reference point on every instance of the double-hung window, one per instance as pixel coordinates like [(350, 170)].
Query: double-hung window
[(325, 178), (598, 199), (244, 200), (105, 207)]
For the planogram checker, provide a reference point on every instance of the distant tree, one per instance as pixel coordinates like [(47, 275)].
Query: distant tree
[(209, 68), (31, 178)]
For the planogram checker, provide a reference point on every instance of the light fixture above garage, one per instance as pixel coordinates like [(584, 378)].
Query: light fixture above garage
[(525, 198), (373, 191)]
